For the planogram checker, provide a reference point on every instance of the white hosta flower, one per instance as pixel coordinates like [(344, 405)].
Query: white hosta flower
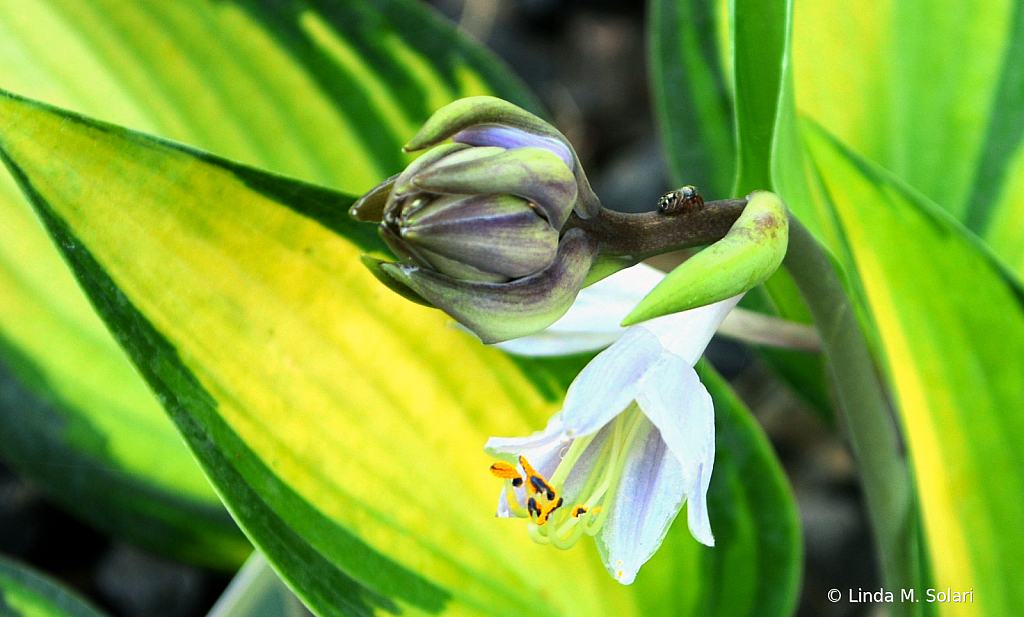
[(633, 442)]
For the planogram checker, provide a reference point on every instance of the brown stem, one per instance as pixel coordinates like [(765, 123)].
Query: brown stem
[(637, 236)]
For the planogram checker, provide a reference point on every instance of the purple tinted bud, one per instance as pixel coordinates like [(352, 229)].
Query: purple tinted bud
[(508, 137)]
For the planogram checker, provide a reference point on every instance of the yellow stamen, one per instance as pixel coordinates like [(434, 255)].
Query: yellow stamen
[(547, 509), (543, 499), (536, 482)]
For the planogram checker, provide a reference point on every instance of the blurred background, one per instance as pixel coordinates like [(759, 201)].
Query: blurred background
[(585, 59)]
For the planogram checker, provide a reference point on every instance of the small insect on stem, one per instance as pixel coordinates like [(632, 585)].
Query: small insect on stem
[(683, 201)]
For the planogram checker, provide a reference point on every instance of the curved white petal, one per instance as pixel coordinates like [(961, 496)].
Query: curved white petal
[(592, 322), (651, 492), (686, 334), (673, 398), (536, 448), (697, 502), (552, 343), (609, 383)]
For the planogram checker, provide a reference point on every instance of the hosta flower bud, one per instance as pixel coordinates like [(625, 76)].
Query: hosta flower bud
[(477, 221)]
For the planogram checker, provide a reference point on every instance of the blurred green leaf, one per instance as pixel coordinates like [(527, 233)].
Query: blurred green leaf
[(931, 90), (762, 29), (692, 94), (757, 556), (325, 408), (913, 85), (691, 77), (950, 320), (326, 91), (79, 422), (996, 210), (767, 132), (942, 312), (24, 593)]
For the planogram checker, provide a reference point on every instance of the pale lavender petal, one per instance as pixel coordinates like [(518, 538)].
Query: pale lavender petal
[(686, 334), (609, 383), (673, 398), (508, 137), (697, 502), (552, 343), (592, 322), (580, 473), (535, 447), (651, 492)]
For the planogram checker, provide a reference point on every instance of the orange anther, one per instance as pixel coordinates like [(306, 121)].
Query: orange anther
[(535, 481), (504, 470), (547, 509)]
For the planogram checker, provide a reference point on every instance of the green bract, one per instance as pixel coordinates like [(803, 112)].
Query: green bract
[(751, 251)]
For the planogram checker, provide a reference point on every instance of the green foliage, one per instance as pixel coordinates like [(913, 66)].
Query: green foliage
[(692, 78), (342, 426), (941, 308), (25, 593), (322, 91), (325, 409), (948, 316)]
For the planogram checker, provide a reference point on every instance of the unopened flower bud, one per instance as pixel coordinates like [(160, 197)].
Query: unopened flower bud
[(477, 221)]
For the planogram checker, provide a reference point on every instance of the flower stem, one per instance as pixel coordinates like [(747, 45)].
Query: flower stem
[(865, 414), (637, 236)]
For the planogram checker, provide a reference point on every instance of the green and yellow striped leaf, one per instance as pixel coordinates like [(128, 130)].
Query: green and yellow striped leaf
[(326, 91), (342, 425), (950, 321), (931, 90), (947, 320), (692, 93), (913, 85), (25, 593)]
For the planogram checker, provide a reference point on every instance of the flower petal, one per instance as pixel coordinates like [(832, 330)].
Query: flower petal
[(535, 174), (675, 401), (508, 137), (460, 115), (686, 334), (697, 502), (592, 322), (606, 386), (550, 342), (651, 492), (370, 207), (500, 234)]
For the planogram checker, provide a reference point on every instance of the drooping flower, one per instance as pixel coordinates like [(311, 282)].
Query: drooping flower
[(634, 441)]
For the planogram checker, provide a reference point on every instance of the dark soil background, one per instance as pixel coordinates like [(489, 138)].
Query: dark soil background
[(586, 62)]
